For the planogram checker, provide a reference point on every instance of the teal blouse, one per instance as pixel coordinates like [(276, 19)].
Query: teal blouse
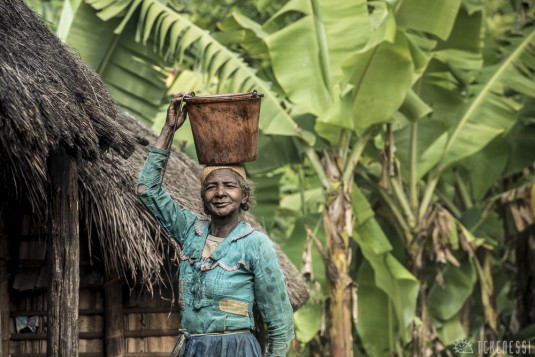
[(217, 294)]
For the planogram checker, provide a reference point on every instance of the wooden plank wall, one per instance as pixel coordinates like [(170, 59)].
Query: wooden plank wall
[(90, 324), (150, 324), (91, 321), (28, 295), (4, 287)]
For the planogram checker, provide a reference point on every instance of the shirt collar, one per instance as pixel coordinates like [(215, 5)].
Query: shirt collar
[(202, 229)]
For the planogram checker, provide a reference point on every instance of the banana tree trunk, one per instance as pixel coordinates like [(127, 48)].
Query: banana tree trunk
[(525, 299), (421, 333), (337, 217)]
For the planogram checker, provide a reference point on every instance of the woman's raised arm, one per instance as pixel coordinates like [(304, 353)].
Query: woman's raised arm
[(173, 218)]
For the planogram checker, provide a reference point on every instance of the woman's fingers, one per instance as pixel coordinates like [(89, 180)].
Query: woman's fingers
[(175, 115)]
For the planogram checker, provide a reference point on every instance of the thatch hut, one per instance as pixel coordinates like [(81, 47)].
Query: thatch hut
[(77, 249)]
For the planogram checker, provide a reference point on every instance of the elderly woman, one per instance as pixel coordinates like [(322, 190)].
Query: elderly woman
[(226, 267)]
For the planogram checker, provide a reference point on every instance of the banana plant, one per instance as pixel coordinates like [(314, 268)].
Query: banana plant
[(50, 11), (476, 101)]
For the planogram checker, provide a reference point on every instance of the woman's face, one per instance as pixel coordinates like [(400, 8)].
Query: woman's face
[(222, 194)]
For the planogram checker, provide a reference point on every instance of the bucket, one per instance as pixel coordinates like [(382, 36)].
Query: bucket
[(225, 127)]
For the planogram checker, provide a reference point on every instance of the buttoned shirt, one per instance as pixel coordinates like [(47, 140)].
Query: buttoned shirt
[(217, 294)]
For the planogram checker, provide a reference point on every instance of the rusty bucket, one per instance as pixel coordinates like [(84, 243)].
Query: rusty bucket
[(225, 127)]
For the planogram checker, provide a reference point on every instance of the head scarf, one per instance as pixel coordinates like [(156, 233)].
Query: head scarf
[(207, 170)]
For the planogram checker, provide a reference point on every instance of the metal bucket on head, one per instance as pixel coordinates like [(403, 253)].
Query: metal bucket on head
[(225, 127)]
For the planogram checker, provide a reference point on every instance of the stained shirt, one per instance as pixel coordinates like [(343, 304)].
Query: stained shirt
[(217, 294)]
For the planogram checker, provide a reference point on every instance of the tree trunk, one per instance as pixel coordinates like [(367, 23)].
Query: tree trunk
[(421, 333), (525, 299), (337, 218), (421, 338), (113, 317), (63, 254), (4, 290)]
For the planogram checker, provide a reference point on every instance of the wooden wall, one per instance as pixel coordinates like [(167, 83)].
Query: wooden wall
[(28, 285), (150, 327), (4, 286)]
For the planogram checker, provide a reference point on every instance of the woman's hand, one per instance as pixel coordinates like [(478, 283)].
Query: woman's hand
[(175, 118)]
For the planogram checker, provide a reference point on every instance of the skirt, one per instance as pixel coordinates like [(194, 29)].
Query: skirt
[(239, 344)]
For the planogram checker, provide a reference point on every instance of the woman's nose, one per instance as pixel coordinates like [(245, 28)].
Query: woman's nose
[(220, 191)]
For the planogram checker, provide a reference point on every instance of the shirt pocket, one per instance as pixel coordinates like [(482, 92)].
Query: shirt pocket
[(233, 280)]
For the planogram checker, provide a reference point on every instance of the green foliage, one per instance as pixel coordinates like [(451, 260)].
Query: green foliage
[(377, 323), (412, 15), (133, 73), (308, 321), (49, 10), (207, 14), (393, 284), (490, 112), (447, 299)]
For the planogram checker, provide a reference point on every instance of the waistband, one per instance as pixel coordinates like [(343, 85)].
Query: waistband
[(183, 331), (184, 335)]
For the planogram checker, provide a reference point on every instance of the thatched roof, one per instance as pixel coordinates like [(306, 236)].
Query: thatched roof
[(48, 98)]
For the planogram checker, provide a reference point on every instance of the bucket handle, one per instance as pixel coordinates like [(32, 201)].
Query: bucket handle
[(254, 94)]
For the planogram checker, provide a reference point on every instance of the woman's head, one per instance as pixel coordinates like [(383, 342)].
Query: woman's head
[(225, 190)]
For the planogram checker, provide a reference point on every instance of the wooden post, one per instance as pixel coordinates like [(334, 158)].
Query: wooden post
[(4, 289), (63, 254), (113, 317)]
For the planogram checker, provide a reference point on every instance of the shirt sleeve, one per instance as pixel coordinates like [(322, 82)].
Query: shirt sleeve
[(272, 300), (172, 217)]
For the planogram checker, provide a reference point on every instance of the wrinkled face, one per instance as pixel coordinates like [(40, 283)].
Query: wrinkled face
[(222, 194)]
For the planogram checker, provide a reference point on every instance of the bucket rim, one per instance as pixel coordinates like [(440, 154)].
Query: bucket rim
[(225, 97)]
